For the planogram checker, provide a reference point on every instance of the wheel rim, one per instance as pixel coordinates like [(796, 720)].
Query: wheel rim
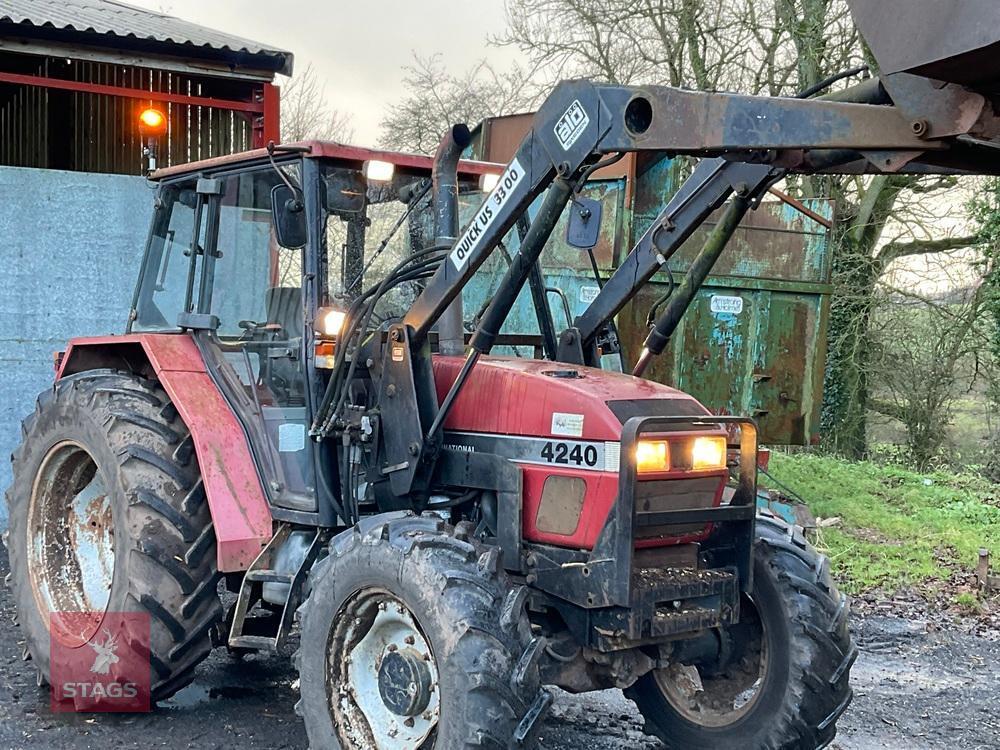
[(383, 677), (720, 700), (71, 556)]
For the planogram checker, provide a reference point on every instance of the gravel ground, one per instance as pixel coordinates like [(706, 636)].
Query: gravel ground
[(913, 689)]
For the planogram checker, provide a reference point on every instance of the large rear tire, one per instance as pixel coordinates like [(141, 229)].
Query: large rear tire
[(414, 637), (108, 514), (789, 682)]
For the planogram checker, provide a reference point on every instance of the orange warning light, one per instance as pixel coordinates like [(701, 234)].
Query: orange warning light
[(152, 122)]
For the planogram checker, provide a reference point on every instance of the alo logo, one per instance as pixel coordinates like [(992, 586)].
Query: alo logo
[(571, 125), (100, 661)]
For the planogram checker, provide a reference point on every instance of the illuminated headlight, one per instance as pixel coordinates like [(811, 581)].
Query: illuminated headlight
[(489, 181), (652, 456), (379, 171), (708, 453), (329, 322)]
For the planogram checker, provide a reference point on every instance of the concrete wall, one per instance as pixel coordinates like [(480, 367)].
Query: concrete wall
[(70, 245)]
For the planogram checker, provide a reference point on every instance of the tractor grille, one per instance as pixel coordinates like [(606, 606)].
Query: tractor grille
[(673, 494)]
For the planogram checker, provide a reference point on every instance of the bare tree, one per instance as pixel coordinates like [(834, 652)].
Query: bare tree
[(437, 99), (921, 350), (306, 113)]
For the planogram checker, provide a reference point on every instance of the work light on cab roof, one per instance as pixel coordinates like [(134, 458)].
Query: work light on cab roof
[(378, 170)]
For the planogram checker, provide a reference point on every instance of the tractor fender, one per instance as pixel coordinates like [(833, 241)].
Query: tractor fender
[(236, 499)]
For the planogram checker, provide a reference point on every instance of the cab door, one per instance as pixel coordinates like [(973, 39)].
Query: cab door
[(252, 287)]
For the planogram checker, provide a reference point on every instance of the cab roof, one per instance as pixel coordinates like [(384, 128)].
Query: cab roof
[(351, 155)]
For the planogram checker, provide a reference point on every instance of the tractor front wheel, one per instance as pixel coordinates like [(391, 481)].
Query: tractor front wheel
[(783, 681), (413, 637), (108, 515)]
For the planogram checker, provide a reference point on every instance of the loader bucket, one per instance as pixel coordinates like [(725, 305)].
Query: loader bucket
[(957, 41)]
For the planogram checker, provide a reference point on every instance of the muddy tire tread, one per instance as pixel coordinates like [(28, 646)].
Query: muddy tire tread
[(467, 577), (172, 555), (822, 652)]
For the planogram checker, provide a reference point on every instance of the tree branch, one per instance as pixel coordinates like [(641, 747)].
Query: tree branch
[(895, 250)]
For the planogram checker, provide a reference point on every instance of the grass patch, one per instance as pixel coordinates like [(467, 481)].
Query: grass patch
[(968, 602), (898, 527)]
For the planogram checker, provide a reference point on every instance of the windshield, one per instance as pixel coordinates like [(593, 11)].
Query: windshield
[(367, 240)]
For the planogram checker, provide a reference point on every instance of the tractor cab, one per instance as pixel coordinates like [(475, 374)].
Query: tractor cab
[(262, 257)]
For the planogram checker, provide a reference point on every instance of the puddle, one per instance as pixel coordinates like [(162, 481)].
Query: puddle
[(198, 695)]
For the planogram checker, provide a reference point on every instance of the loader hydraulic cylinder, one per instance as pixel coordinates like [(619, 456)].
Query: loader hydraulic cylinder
[(682, 297), (521, 266)]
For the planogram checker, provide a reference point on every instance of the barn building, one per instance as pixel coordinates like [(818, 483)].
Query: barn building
[(75, 74)]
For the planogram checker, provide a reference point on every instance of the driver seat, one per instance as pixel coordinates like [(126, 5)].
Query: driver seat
[(283, 305)]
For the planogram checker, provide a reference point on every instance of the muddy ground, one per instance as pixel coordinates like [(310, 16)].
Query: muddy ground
[(917, 685)]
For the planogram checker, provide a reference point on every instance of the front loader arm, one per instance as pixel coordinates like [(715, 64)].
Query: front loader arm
[(580, 121), (751, 142), (711, 184)]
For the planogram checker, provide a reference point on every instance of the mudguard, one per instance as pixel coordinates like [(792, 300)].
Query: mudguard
[(235, 496)]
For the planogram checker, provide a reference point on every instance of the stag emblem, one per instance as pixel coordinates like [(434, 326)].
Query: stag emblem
[(106, 655)]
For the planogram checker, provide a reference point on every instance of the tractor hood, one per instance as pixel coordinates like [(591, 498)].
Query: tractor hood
[(511, 396)]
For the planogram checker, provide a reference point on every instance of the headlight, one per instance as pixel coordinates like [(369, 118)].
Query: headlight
[(708, 453), (329, 322), (652, 456), (379, 171)]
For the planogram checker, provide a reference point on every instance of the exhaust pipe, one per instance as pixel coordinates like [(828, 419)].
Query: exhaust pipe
[(444, 186)]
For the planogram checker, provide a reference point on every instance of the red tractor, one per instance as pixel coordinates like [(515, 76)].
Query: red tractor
[(302, 410)]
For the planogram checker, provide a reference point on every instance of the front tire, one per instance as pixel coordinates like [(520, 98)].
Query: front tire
[(414, 637), (788, 685), (108, 514)]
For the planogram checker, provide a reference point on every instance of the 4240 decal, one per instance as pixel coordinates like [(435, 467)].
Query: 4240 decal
[(569, 455)]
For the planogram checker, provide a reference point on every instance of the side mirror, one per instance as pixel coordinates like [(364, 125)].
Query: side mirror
[(288, 214), (584, 226)]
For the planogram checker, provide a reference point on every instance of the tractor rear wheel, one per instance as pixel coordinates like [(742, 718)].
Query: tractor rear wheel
[(785, 681), (413, 637), (108, 514)]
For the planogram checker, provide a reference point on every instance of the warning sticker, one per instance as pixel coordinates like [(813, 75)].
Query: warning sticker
[(487, 215), (567, 424), (730, 305), (291, 437)]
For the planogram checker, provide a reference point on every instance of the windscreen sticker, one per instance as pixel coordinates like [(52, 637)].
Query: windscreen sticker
[(291, 437), (487, 214), (589, 293), (567, 424)]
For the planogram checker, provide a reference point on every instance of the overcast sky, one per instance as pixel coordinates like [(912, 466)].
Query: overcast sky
[(359, 48)]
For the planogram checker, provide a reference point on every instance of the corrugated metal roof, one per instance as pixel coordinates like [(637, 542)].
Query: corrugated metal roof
[(116, 19)]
